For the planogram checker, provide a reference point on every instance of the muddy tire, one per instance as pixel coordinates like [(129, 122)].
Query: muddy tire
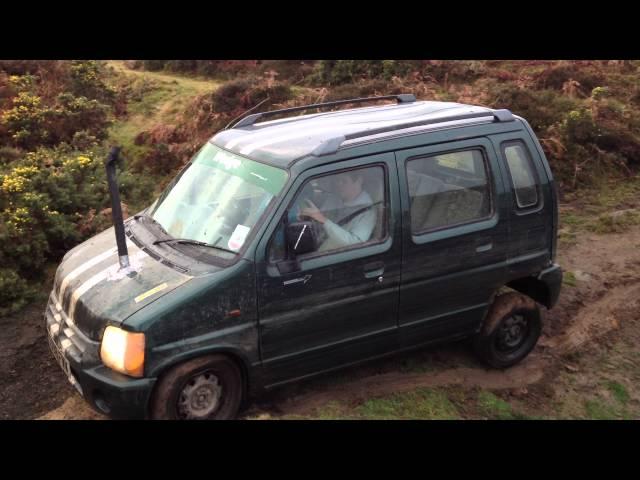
[(510, 331), (205, 388)]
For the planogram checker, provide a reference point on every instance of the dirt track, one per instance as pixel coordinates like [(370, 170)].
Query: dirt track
[(603, 300)]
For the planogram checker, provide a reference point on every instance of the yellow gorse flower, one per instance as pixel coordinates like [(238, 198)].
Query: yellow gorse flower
[(16, 181)]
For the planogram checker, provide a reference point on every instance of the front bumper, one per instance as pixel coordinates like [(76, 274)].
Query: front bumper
[(108, 392), (114, 394)]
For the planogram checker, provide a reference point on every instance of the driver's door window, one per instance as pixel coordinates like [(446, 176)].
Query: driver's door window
[(345, 209)]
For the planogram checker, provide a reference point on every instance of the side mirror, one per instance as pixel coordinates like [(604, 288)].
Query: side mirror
[(301, 238)]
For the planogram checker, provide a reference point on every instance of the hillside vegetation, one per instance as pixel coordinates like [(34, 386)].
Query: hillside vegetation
[(58, 118)]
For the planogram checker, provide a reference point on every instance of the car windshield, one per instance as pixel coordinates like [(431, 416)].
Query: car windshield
[(218, 198)]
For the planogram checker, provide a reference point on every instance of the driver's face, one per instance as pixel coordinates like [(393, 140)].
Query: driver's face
[(348, 189)]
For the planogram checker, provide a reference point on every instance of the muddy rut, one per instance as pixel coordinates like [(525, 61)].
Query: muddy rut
[(606, 287)]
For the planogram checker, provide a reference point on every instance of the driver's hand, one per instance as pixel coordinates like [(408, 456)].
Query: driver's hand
[(313, 212)]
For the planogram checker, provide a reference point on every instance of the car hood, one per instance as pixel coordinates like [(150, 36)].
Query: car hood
[(92, 292)]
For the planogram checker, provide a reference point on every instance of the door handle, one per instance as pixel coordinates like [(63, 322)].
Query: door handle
[(483, 244), (373, 269), (484, 248), (294, 281)]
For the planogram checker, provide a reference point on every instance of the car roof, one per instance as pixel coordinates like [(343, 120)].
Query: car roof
[(281, 142)]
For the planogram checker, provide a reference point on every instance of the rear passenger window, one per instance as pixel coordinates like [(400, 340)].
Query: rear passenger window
[(448, 189), (523, 177)]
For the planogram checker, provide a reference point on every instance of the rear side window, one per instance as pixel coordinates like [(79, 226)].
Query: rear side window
[(523, 176), (448, 189)]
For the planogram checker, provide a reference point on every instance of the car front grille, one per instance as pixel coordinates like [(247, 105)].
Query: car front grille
[(69, 339)]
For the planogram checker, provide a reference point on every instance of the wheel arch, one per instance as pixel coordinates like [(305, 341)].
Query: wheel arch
[(234, 354), (534, 288)]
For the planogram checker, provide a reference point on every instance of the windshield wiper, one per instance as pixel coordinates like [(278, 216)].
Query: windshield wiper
[(192, 242)]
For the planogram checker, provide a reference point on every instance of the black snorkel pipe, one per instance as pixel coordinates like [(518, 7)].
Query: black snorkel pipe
[(116, 209)]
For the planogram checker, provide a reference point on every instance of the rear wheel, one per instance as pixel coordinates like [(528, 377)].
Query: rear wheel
[(510, 331), (205, 388)]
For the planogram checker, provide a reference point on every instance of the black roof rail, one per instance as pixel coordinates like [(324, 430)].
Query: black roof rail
[(253, 118), (332, 145)]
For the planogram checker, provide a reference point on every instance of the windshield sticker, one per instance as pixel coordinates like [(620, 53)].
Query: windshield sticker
[(264, 179), (238, 237), (227, 160), (270, 179)]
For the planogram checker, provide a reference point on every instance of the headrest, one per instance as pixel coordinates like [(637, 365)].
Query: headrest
[(421, 184)]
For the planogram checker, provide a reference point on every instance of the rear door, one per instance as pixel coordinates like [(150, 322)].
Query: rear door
[(454, 238)]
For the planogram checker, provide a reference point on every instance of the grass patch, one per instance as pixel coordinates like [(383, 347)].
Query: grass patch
[(613, 195), (572, 219), (569, 279), (424, 404), (615, 223), (567, 238), (156, 98), (420, 404), (333, 410), (598, 410), (593, 206), (619, 392), (123, 134), (495, 408)]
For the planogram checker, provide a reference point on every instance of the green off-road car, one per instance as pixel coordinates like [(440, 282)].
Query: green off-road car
[(295, 246)]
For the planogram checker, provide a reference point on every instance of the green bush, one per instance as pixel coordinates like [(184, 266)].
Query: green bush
[(368, 88), (183, 66), (236, 95), (600, 138), (41, 199), (48, 201), (555, 77), (153, 65), (138, 191), (288, 70), (87, 80), (541, 108), (25, 121), (161, 159), (207, 68), (14, 292), (8, 155), (337, 72), (24, 67), (231, 96), (73, 114), (53, 115), (579, 127), (32, 122), (278, 93)]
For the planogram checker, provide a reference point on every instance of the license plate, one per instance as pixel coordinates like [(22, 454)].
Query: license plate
[(59, 356)]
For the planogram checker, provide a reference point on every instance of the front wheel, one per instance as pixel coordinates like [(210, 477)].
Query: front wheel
[(205, 388), (510, 331)]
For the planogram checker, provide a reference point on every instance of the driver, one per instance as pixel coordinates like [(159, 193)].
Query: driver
[(351, 221)]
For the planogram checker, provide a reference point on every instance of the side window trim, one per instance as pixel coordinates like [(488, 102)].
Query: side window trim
[(371, 243), (532, 167), (490, 181)]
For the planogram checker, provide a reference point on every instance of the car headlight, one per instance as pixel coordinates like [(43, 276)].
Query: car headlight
[(123, 351)]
